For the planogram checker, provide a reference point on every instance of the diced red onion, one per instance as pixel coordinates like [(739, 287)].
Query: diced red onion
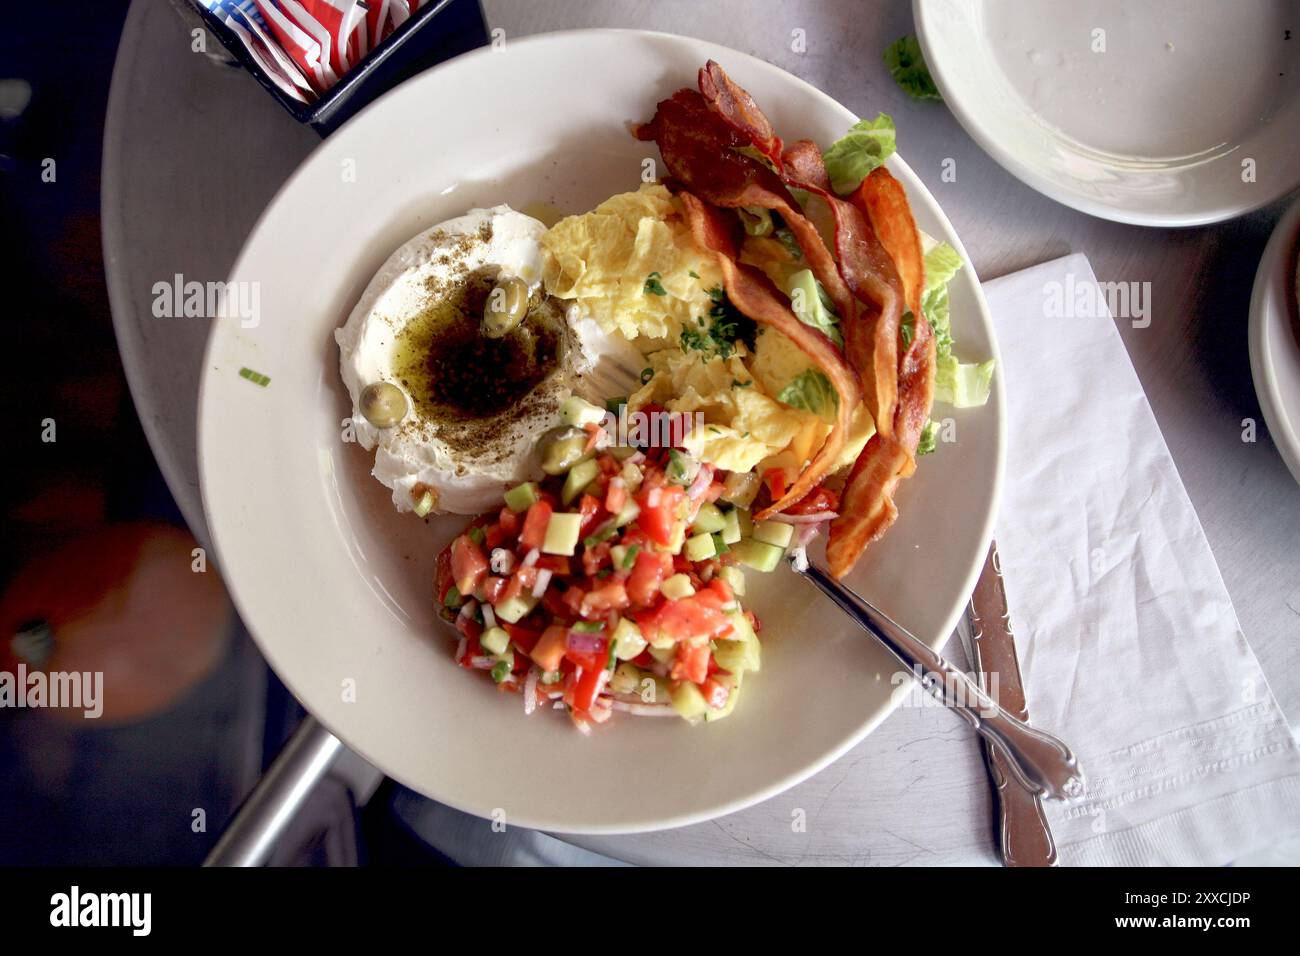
[(482, 663), (461, 648), (817, 518), (799, 558), (584, 642), (652, 497), (502, 561), (489, 615), (635, 458), (543, 579), (468, 608), (805, 534), (530, 689), (703, 478), (530, 558)]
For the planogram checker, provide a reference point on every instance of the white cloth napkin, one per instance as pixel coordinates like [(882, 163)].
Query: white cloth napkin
[(1129, 645)]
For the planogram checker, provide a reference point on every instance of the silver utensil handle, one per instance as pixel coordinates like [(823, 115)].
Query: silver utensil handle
[(1041, 762), (252, 832)]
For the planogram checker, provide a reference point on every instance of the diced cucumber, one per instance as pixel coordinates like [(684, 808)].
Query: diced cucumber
[(628, 642), (512, 609), (756, 554), (725, 710), (495, 640), (719, 546), (678, 586), (618, 555), (622, 452), (681, 468), (734, 577), (677, 538), (580, 476), (731, 525), (562, 534), (626, 679), (522, 497), (709, 519), (633, 475), (666, 653), (738, 656), (746, 523), (688, 701), (577, 411), (776, 533), (627, 514), (700, 547)]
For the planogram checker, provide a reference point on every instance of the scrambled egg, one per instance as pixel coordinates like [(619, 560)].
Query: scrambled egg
[(631, 264), (777, 362), (743, 425)]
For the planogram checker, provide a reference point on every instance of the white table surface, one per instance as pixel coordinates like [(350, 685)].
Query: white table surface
[(193, 152)]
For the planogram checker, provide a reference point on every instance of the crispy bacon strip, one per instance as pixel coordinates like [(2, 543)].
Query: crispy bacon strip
[(871, 337), (739, 110), (867, 504), (884, 201), (753, 293), (699, 147)]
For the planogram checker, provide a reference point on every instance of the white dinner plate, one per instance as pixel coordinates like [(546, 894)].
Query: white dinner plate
[(1275, 337), (337, 587), (1159, 112)]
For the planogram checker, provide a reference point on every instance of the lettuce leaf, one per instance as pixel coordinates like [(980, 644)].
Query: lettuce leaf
[(906, 65), (851, 158), (962, 386), (812, 304), (812, 391)]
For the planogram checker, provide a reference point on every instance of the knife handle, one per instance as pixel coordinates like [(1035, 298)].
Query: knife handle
[(1024, 836)]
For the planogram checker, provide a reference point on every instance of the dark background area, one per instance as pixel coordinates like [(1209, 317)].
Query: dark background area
[(94, 555)]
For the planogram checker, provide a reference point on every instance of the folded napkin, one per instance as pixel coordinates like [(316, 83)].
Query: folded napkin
[(1129, 645)]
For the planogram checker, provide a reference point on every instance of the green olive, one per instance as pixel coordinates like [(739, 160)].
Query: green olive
[(383, 404), (561, 448), (507, 305)]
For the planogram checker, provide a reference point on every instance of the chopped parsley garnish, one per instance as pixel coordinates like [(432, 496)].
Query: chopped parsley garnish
[(737, 383), (719, 332), (693, 274), (477, 536), (653, 286)]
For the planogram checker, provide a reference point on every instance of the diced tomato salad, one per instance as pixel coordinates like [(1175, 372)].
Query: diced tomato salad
[(625, 622)]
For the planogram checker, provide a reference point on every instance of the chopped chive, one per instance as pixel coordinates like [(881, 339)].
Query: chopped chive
[(653, 286), (257, 378)]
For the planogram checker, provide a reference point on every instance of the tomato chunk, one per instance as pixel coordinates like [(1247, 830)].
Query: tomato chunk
[(658, 520), (692, 662), (534, 530), (647, 574), (469, 565), (548, 652)]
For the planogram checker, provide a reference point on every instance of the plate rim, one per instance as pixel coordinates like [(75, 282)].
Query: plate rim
[(1053, 189), (1269, 286), (207, 391)]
